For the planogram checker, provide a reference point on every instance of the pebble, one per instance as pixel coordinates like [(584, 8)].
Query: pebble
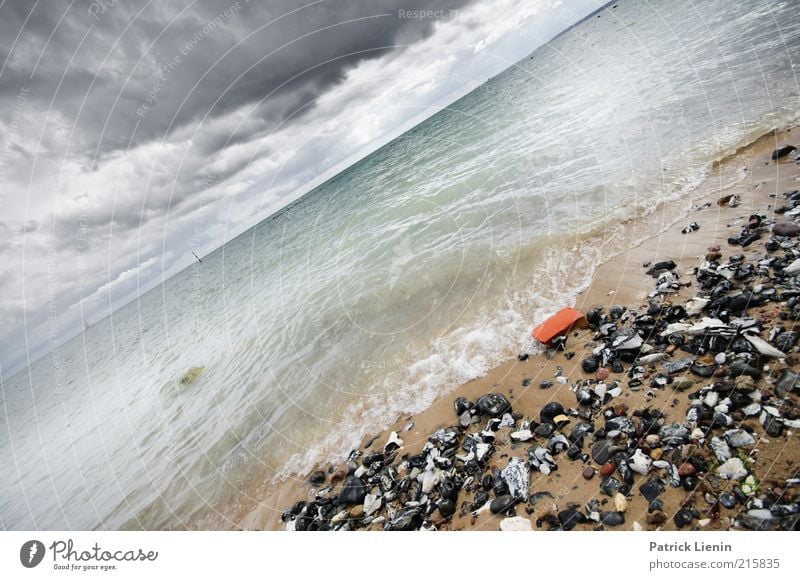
[(732, 469), (603, 373), (502, 504), (686, 469), (493, 405), (515, 524), (612, 518), (656, 518), (607, 469), (683, 517), (353, 491), (588, 472), (620, 503)]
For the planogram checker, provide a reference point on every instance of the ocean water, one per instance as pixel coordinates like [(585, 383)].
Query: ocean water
[(418, 268)]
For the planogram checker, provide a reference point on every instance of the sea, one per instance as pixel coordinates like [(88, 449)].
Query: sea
[(418, 268)]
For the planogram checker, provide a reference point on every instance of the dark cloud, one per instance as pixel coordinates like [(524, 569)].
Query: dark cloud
[(123, 73)]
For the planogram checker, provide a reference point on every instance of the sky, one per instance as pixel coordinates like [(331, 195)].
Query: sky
[(133, 132)]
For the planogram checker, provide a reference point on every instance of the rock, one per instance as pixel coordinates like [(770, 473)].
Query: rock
[(787, 382), (652, 488), (407, 519), (522, 436), (656, 453), (317, 478), (569, 518), (772, 426), (515, 524), (739, 438), (353, 491), (446, 507), (686, 469), (516, 475), (610, 486), (738, 368), (652, 441), (612, 519), (462, 405), (682, 383), (674, 434), (732, 469), (607, 469), (782, 152), (590, 364), (602, 451), (656, 518), (620, 503), (787, 229), (588, 472), (550, 411), (394, 442), (727, 500), (603, 373), (683, 517), (372, 503), (502, 504), (704, 366), (493, 405), (357, 512), (640, 463)]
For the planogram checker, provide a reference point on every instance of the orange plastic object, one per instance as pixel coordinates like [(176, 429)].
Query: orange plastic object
[(556, 325)]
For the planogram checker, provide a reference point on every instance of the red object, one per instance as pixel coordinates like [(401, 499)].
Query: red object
[(558, 324)]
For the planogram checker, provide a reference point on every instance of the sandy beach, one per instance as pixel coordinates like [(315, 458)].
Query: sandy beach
[(759, 184)]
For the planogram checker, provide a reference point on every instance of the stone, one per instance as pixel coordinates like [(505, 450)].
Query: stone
[(515, 524), (602, 451), (607, 469), (590, 365), (317, 478), (787, 382), (550, 411), (656, 453), (372, 503), (683, 517), (782, 152), (588, 472), (682, 383), (493, 405), (732, 469), (686, 469), (602, 374), (502, 504), (353, 491), (447, 507), (652, 488), (516, 475), (462, 405), (612, 519), (406, 520), (569, 518), (727, 499), (656, 518), (620, 503), (739, 438), (640, 463)]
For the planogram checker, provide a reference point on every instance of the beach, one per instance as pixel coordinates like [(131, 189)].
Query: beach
[(758, 184)]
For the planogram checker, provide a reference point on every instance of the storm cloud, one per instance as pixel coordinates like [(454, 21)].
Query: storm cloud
[(122, 121)]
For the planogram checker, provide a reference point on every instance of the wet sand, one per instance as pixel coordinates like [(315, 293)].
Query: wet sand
[(619, 280)]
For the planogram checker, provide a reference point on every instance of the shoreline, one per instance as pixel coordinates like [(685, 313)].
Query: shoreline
[(618, 280)]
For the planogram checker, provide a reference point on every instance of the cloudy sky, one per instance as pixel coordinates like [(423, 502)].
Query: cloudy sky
[(132, 132)]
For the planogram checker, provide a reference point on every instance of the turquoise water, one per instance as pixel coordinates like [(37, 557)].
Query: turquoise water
[(420, 267)]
